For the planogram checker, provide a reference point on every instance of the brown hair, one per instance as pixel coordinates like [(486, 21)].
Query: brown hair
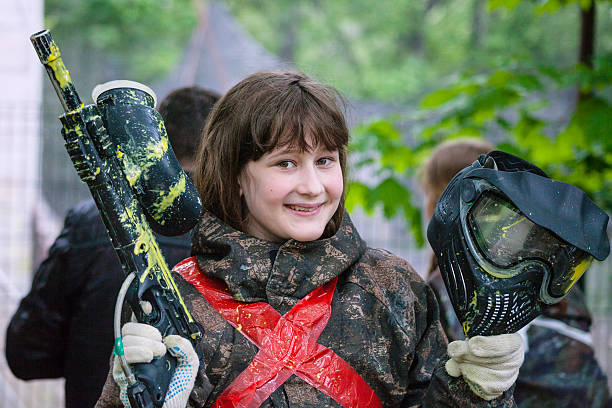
[(446, 160), (265, 111)]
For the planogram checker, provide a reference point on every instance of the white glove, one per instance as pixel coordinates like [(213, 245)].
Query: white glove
[(488, 364), (142, 343)]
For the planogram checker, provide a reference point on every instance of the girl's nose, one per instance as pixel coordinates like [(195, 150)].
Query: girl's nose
[(310, 182)]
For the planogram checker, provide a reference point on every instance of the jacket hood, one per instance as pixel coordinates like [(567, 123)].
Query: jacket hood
[(258, 270)]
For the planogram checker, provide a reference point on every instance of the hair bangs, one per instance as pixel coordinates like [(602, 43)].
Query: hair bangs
[(302, 119)]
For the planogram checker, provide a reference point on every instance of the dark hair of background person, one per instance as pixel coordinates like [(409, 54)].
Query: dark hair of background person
[(64, 325), (264, 111), (446, 160), (185, 111)]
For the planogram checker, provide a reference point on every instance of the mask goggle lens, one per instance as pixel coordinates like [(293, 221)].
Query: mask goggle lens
[(506, 238)]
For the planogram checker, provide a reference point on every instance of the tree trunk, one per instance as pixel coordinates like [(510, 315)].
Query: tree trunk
[(288, 44), (414, 39), (289, 29), (587, 41), (478, 28)]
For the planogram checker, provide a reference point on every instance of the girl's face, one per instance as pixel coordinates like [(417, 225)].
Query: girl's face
[(291, 194)]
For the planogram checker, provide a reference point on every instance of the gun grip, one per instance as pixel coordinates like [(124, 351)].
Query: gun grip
[(156, 377)]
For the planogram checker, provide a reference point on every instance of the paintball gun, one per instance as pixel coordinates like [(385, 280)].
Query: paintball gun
[(119, 148)]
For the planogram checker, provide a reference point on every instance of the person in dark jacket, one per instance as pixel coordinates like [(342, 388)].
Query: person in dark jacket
[(64, 325), (560, 369), (295, 310)]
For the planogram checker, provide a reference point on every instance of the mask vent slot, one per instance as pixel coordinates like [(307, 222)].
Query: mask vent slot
[(506, 313)]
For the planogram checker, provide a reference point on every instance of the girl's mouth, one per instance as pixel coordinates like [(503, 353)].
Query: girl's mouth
[(304, 209)]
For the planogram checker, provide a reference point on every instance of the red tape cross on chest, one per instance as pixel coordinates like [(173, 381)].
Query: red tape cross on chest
[(287, 345)]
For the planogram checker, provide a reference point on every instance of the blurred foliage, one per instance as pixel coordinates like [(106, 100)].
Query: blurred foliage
[(140, 39), (512, 103), (378, 149), (526, 107), (394, 50), (502, 60)]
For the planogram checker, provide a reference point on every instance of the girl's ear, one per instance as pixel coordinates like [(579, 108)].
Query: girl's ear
[(239, 185)]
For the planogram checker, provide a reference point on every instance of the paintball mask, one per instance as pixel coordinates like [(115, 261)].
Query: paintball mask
[(508, 238)]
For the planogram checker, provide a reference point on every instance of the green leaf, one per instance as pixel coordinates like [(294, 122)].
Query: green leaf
[(414, 219), (400, 158), (594, 118), (439, 97), (548, 6), (384, 129), (500, 78), (509, 4), (562, 149), (484, 115), (357, 196), (529, 82), (391, 194)]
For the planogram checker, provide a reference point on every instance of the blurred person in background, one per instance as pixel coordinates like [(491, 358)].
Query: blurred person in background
[(560, 369), (64, 325), (445, 161)]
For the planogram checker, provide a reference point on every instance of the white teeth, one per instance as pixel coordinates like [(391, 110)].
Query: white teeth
[(298, 208)]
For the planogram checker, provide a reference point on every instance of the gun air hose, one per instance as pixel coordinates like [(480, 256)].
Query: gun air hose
[(118, 349)]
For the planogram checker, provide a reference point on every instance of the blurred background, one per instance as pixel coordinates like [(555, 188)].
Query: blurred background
[(532, 77)]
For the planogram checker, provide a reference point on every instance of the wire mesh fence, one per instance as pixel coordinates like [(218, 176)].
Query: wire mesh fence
[(38, 185), (20, 199), (23, 242)]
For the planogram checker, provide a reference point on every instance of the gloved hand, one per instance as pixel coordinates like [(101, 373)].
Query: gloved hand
[(142, 343), (488, 364)]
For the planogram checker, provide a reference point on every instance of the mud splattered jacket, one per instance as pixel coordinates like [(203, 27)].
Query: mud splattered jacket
[(560, 370), (384, 319)]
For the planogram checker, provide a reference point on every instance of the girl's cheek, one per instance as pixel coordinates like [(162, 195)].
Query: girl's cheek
[(338, 185)]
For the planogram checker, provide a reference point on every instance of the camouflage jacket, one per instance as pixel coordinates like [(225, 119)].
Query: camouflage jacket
[(560, 370), (384, 321)]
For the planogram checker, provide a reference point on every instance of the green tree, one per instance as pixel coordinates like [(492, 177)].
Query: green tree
[(378, 149), (394, 50), (507, 104), (104, 39)]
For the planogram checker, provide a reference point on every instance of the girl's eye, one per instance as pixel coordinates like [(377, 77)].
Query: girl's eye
[(324, 161), (285, 164)]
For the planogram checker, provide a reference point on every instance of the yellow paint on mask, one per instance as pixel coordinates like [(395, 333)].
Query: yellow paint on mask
[(132, 170), (579, 270), (137, 163), (468, 316), (504, 229), (156, 151)]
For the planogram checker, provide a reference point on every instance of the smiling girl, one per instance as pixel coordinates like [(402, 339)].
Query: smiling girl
[(295, 309)]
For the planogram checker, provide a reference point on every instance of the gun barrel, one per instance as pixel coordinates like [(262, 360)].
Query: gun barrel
[(50, 57)]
